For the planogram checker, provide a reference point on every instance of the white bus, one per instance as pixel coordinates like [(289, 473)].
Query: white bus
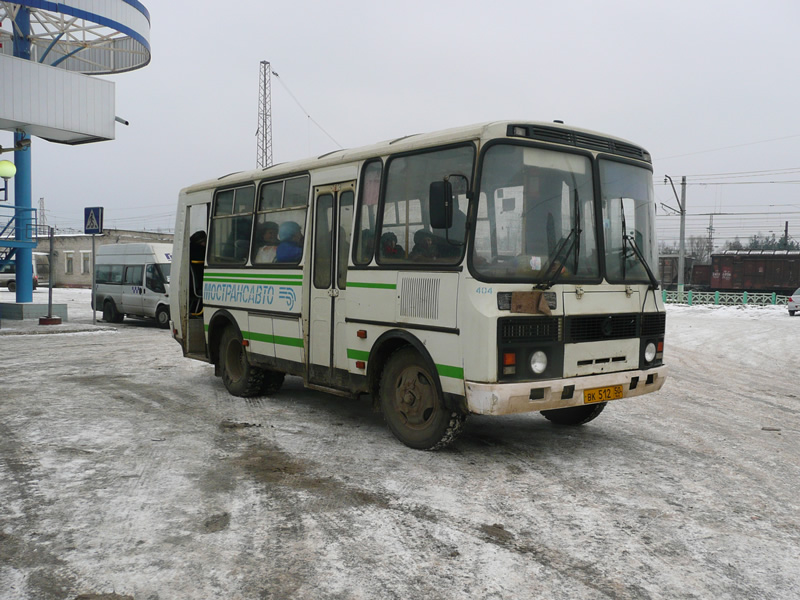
[(494, 269), (133, 280)]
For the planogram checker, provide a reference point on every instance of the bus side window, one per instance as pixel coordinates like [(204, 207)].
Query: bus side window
[(345, 225), (369, 192), (231, 226), (133, 275), (153, 279)]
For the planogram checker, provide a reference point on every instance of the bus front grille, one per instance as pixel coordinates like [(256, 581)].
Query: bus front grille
[(594, 328), (654, 324), (538, 329)]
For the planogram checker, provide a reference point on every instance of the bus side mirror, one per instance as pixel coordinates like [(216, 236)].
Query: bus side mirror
[(440, 204)]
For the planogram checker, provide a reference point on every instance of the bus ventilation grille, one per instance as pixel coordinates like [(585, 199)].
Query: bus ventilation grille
[(579, 139), (654, 324), (419, 297), (602, 327), (538, 329)]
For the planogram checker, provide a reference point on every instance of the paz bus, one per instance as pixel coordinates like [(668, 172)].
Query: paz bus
[(493, 269)]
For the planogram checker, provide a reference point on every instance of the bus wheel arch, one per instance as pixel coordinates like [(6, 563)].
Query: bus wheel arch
[(406, 385), (219, 322), (239, 376)]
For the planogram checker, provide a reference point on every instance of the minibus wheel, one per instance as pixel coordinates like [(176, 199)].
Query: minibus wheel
[(412, 403), (162, 317), (12, 286), (111, 314), (239, 376), (574, 415)]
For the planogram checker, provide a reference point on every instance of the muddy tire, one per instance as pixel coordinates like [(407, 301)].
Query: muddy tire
[(239, 376), (273, 380), (111, 314), (162, 317), (412, 403), (574, 415)]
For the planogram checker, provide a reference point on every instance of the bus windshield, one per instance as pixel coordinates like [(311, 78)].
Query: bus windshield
[(629, 217), (536, 218)]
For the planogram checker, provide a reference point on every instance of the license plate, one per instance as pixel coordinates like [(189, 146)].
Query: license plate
[(603, 394)]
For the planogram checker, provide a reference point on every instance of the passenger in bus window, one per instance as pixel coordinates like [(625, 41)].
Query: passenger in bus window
[(268, 238), (390, 248), (290, 248), (424, 247)]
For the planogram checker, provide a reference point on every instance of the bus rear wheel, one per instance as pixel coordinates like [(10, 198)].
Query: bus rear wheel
[(413, 406), (239, 376), (574, 415)]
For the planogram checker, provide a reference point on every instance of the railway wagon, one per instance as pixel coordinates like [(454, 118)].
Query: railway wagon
[(775, 271)]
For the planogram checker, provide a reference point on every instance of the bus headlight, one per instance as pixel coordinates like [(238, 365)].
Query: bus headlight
[(538, 362), (649, 352)]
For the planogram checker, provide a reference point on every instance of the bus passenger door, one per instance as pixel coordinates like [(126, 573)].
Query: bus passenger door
[(333, 218)]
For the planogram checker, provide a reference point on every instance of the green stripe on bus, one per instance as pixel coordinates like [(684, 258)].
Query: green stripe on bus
[(265, 281), (447, 371), (273, 339), (379, 286), (357, 354), (269, 275)]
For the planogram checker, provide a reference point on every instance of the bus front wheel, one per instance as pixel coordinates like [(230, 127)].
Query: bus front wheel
[(574, 415), (413, 406), (238, 375)]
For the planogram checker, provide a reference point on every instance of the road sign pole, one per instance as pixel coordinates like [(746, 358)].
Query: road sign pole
[(94, 285), (93, 224)]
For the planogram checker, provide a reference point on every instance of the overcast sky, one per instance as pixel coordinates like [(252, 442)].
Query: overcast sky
[(708, 87)]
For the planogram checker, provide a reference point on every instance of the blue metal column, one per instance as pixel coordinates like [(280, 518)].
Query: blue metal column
[(22, 181)]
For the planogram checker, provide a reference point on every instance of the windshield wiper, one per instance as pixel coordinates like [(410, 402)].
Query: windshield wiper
[(572, 243), (627, 239)]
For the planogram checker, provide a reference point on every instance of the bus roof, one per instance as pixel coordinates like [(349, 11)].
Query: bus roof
[(550, 132)]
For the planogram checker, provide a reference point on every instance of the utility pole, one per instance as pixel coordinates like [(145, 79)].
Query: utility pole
[(264, 132), (710, 236), (786, 235), (682, 247)]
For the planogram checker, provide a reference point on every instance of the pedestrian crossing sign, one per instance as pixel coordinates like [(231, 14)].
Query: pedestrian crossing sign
[(93, 220)]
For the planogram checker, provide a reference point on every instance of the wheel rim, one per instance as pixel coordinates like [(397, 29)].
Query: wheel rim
[(162, 317), (234, 360), (415, 398)]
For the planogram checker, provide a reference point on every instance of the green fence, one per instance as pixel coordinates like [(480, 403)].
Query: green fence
[(723, 298)]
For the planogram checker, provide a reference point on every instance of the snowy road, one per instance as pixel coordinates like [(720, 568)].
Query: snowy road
[(127, 470)]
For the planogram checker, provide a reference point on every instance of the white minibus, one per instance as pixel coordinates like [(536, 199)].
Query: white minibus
[(133, 280)]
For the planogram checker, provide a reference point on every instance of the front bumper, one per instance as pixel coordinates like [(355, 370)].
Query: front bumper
[(511, 398)]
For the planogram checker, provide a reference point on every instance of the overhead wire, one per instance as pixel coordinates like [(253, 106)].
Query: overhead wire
[(322, 129)]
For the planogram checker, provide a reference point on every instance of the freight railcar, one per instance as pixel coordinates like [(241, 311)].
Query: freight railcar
[(775, 271)]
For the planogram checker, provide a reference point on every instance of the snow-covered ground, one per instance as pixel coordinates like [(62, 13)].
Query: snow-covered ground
[(127, 470)]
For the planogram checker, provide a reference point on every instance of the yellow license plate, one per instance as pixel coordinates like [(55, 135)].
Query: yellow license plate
[(603, 394)]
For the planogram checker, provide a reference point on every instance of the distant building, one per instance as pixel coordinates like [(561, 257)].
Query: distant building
[(72, 254)]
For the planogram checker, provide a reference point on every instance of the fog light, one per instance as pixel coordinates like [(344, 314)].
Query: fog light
[(538, 362), (649, 352)]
